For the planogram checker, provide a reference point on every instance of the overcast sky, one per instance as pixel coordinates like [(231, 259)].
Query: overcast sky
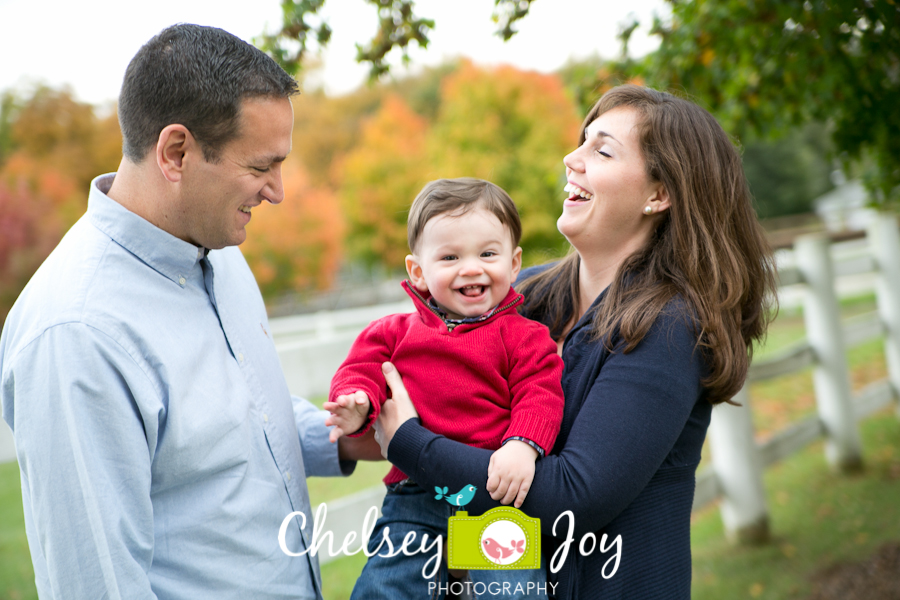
[(88, 44)]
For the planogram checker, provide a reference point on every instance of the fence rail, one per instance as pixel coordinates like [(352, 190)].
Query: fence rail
[(738, 459)]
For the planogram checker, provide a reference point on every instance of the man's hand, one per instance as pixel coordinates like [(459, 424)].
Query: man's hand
[(348, 414), (511, 472)]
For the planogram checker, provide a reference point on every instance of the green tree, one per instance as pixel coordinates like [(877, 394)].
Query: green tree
[(513, 128), (398, 27), (766, 66), (8, 108), (787, 174), (587, 79)]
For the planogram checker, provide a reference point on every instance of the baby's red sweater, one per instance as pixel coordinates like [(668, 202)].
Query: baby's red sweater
[(477, 383)]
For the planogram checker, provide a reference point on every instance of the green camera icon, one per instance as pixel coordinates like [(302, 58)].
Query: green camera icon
[(503, 538)]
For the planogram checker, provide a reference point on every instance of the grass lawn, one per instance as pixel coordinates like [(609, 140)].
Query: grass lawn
[(817, 517), (16, 573)]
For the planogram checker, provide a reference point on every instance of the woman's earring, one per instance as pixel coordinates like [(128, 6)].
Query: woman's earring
[(648, 210)]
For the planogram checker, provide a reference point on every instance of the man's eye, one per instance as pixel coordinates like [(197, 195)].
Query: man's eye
[(261, 169)]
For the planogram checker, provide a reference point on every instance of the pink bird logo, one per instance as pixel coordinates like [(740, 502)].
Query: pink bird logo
[(493, 549)]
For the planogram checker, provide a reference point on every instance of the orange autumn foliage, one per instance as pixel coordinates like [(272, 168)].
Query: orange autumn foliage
[(58, 146), (58, 191), (380, 177), (295, 245)]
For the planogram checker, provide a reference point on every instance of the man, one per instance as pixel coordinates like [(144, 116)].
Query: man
[(157, 440)]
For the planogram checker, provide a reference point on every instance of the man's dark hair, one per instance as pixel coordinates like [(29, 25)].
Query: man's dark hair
[(197, 77)]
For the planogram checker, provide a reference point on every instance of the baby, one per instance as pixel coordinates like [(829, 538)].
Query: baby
[(477, 371)]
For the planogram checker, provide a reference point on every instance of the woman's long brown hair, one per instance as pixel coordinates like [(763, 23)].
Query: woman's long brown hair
[(708, 246)]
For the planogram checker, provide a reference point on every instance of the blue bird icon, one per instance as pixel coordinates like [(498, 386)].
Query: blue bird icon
[(460, 498)]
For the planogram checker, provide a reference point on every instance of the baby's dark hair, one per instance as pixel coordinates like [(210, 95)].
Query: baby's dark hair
[(459, 196)]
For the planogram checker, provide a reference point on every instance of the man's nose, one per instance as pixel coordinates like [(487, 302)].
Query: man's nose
[(274, 190)]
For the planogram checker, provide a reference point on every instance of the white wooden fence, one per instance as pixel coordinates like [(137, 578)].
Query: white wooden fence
[(738, 460), (312, 347)]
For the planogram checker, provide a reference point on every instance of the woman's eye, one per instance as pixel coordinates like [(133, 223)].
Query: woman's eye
[(606, 154)]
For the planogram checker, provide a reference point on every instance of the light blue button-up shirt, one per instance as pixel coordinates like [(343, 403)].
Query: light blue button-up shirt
[(157, 440)]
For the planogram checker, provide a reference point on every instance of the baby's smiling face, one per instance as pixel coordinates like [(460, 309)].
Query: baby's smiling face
[(466, 261)]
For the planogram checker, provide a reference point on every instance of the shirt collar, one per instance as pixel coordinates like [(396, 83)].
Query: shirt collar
[(162, 251), (443, 314)]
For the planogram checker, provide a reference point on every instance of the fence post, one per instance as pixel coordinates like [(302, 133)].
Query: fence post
[(831, 378), (884, 243), (324, 325), (736, 462)]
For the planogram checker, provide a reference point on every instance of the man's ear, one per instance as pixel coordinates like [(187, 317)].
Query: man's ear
[(414, 270), (174, 142), (516, 263)]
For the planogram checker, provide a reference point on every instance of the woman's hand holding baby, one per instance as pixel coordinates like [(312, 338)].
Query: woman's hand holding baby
[(511, 472)]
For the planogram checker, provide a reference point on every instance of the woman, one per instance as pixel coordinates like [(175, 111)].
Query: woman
[(655, 313)]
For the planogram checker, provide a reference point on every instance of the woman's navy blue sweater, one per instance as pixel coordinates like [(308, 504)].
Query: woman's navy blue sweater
[(623, 463)]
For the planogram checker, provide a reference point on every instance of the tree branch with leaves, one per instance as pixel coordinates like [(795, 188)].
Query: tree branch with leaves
[(767, 66), (398, 27)]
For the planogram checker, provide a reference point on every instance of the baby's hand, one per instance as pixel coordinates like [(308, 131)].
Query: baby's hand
[(511, 472), (348, 413)]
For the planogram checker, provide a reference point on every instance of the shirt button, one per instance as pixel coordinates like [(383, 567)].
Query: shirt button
[(240, 357), (265, 417), (288, 475), (182, 280)]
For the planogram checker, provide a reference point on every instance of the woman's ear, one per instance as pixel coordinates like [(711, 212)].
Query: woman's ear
[(660, 199), (173, 143), (414, 270)]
